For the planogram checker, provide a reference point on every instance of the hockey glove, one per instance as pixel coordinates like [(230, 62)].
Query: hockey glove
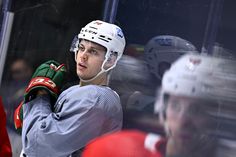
[(48, 76), (18, 117)]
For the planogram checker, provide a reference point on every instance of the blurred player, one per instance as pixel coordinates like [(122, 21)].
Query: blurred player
[(196, 105), (196, 94), (126, 143), (160, 51)]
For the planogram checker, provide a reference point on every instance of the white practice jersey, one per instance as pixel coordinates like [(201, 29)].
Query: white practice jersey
[(80, 114)]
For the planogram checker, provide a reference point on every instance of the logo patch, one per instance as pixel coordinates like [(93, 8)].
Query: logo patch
[(97, 23), (164, 42), (119, 32), (193, 63)]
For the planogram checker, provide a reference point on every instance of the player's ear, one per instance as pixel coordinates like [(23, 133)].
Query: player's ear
[(111, 60)]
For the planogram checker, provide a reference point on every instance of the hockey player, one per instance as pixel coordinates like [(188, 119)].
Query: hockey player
[(160, 51), (82, 112), (196, 101), (196, 94), (5, 146), (125, 143)]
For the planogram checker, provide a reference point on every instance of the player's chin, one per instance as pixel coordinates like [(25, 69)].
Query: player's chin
[(81, 74), (84, 77)]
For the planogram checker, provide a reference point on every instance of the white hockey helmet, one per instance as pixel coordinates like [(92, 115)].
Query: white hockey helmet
[(165, 49), (105, 34), (199, 76)]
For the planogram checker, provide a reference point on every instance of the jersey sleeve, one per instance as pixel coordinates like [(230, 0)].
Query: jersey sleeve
[(46, 133)]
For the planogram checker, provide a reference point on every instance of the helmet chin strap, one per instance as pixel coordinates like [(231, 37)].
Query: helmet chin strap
[(93, 78)]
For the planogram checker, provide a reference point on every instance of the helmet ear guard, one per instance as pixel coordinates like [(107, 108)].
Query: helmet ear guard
[(111, 61), (161, 105)]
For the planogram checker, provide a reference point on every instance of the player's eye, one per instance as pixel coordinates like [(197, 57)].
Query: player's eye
[(80, 48), (175, 106), (93, 52)]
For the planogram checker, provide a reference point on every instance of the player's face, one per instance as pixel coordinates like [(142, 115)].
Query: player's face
[(89, 59), (188, 123)]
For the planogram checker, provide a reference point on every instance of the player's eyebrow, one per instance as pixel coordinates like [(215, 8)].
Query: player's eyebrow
[(97, 48), (94, 46)]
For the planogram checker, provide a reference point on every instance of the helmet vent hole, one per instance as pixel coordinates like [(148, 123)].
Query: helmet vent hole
[(103, 39), (93, 27), (92, 37)]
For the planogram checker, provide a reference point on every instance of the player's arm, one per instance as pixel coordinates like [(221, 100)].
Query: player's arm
[(46, 80), (79, 121)]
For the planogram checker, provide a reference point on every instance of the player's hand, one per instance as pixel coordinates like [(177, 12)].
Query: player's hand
[(49, 76)]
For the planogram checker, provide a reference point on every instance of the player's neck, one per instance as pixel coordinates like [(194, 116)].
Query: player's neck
[(100, 81)]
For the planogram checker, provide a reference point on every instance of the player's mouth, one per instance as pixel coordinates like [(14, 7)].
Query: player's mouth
[(81, 66)]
